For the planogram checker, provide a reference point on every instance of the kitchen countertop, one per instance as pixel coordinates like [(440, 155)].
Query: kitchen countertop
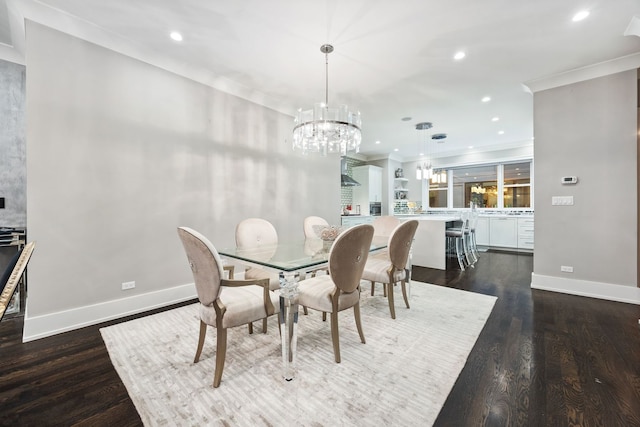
[(445, 218), (489, 214)]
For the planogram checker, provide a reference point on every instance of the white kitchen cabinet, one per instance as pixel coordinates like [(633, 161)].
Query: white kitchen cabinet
[(482, 232), (350, 221), (503, 232), (370, 188), (525, 233)]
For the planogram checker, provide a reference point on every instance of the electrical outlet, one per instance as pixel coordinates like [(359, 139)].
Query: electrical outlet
[(128, 285), (566, 268)]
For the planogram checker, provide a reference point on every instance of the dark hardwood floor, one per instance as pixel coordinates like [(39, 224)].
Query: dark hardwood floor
[(543, 359)]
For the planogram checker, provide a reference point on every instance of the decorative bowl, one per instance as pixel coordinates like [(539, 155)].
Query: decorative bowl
[(327, 232)]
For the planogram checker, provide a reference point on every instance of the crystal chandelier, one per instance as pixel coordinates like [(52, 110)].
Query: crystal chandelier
[(327, 130)]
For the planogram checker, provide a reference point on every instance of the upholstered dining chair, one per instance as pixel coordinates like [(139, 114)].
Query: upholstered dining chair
[(384, 225), (340, 289), (254, 233), (393, 269), (311, 236), (224, 303), (309, 222)]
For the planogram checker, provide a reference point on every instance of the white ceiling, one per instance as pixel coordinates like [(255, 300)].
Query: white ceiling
[(391, 59)]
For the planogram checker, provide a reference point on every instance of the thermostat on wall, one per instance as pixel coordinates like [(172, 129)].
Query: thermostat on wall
[(569, 179)]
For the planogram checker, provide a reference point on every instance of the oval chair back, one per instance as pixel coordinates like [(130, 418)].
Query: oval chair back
[(348, 256), (255, 232), (308, 224), (205, 263), (400, 243)]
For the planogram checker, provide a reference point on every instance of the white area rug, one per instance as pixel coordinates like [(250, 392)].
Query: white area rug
[(401, 376)]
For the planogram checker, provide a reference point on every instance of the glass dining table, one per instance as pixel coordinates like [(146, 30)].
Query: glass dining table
[(292, 261)]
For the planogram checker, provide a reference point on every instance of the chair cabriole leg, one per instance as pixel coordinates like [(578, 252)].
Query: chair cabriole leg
[(221, 351), (356, 314), (334, 335), (203, 335), (404, 293), (392, 307)]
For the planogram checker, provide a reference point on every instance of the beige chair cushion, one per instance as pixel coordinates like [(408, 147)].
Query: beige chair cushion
[(380, 254), (244, 304), (258, 273), (316, 293), (377, 269)]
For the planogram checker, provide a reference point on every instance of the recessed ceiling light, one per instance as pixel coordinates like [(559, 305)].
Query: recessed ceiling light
[(500, 132), (377, 142), (495, 119), (486, 99), (396, 149), (422, 154), (405, 119), (459, 55), (580, 15), (470, 148), (176, 36)]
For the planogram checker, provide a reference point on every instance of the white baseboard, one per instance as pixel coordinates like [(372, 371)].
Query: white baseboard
[(585, 288), (55, 323)]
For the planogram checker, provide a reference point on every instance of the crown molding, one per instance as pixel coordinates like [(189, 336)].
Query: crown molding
[(600, 69)]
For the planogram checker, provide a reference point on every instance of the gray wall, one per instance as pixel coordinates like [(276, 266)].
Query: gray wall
[(13, 173), (587, 129), (120, 153)]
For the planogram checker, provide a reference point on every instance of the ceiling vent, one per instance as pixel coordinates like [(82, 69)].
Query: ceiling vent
[(424, 125)]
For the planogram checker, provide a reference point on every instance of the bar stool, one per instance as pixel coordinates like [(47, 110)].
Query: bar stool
[(459, 240), (455, 238), (472, 233)]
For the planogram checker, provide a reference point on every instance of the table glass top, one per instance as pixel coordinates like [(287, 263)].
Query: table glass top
[(292, 256)]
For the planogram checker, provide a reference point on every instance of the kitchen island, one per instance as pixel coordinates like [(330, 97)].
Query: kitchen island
[(430, 245)]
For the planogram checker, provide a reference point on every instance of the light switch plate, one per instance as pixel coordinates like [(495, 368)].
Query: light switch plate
[(562, 200)]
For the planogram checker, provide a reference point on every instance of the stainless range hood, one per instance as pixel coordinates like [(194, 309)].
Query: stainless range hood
[(346, 180)]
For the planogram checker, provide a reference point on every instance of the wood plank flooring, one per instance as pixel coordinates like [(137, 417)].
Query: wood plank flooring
[(543, 359)]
